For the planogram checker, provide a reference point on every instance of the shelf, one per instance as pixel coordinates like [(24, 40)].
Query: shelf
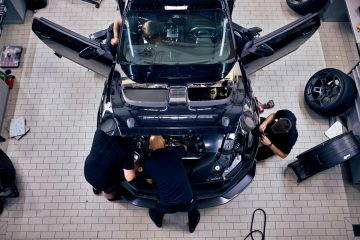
[(354, 17), (4, 92), (16, 10)]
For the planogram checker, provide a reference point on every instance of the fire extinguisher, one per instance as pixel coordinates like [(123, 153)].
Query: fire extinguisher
[(9, 80)]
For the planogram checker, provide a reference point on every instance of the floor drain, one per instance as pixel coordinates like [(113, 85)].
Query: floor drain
[(356, 228)]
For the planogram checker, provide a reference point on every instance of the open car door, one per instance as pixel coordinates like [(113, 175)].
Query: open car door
[(264, 50), (73, 46), (231, 4)]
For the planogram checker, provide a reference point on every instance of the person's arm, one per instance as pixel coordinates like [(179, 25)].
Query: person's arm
[(129, 174), (149, 180), (116, 30), (185, 147), (266, 141), (263, 125)]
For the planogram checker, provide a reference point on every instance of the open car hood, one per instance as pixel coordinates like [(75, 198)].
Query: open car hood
[(177, 74)]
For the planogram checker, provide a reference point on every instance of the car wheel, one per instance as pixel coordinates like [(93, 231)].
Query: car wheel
[(330, 92), (306, 6)]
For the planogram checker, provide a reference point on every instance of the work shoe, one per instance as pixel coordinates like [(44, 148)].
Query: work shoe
[(193, 222), (96, 191), (153, 217), (115, 198)]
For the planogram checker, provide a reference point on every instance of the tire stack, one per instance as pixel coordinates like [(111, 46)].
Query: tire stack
[(36, 4), (306, 6)]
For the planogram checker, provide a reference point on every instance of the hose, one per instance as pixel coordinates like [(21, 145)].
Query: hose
[(262, 233)]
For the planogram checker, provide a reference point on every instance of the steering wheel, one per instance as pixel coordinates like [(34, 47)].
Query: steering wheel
[(203, 32)]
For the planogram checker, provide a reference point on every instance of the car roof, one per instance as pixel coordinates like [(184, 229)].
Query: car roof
[(159, 4)]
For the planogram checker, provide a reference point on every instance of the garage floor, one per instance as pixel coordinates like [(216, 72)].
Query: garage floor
[(59, 100)]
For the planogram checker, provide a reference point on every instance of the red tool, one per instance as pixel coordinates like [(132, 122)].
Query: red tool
[(9, 80), (262, 106)]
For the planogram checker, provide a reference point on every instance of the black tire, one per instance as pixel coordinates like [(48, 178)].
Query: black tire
[(2, 205), (306, 6), (330, 153), (330, 92)]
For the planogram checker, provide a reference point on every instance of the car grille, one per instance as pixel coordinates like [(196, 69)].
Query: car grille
[(202, 119)]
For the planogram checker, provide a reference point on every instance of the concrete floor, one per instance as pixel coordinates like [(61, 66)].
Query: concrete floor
[(60, 99)]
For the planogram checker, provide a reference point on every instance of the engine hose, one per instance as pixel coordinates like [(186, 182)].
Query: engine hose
[(262, 233)]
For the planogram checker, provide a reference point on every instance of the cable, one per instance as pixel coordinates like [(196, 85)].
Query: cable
[(262, 233)]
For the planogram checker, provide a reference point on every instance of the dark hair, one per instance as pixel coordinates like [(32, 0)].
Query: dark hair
[(282, 125)]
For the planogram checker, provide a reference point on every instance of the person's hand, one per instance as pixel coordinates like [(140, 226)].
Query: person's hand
[(265, 140), (262, 127), (136, 166), (114, 41)]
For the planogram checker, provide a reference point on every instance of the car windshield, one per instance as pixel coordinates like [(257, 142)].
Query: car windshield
[(176, 38)]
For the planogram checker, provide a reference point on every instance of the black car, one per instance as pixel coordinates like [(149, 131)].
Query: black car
[(185, 87)]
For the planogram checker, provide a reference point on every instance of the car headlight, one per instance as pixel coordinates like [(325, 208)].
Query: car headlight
[(247, 122), (226, 159), (249, 119), (235, 162)]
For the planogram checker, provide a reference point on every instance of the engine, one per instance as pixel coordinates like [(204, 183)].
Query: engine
[(195, 146)]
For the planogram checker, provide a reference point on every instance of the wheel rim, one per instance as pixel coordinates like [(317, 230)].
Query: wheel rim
[(324, 89), (298, 1)]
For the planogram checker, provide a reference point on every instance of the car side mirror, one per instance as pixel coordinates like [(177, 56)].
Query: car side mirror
[(263, 50), (91, 52)]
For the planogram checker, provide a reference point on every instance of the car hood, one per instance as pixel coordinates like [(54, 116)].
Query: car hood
[(177, 74)]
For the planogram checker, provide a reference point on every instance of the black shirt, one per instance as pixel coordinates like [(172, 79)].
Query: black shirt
[(284, 141), (165, 167), (107, 159)]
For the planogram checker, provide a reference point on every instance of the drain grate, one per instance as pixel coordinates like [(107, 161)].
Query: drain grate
[(356, 228)]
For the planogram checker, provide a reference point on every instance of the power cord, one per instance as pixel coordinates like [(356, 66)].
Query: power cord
[(262, 233)]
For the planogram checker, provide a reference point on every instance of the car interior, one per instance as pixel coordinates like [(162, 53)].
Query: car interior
[(185, 38)]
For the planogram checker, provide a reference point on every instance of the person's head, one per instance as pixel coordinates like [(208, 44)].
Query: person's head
[(156, 142), (151, 30), (282, 125)]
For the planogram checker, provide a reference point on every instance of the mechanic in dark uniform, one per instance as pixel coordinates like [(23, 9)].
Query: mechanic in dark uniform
[(278, 135), (112, 36), (151, 33), (166, 169), (109, 163)]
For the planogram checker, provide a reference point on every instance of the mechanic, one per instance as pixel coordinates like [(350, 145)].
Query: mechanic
[(278, 134), (152, 32), (165, 167), (112, 36), (109, 163)]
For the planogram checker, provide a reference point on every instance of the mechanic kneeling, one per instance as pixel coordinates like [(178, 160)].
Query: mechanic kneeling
[(111, 159), (278, 135), (165, 167)]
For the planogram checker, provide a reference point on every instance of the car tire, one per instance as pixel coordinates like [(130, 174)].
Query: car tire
[(306, 6), (330, 92), (337, 150)]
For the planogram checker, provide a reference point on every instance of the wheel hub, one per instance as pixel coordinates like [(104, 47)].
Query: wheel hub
[(327, 91)]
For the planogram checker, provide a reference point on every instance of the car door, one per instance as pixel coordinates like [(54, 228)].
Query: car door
[(231, 4), (260, 52), (73, 46)]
